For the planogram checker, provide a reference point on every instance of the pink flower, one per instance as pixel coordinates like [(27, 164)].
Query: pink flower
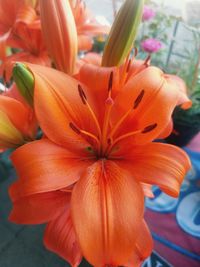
[(148, 13), (151, 45)]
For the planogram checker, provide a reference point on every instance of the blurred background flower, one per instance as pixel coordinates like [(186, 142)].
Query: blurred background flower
[(148, 13), (151, 45)]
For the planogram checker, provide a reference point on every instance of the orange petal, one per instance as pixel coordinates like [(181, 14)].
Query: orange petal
[(98, 85), (57, 104), (159, 164), (91, 58), (60, 238), (85, 43), (144, 247), (94, 29), (136, 67), (155, 107), (44, 167), (107, 209), (167, 130), (3, 40), (39, 208), (178, 83)]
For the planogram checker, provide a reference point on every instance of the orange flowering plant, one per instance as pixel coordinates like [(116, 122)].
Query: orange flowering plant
[(97, 159)]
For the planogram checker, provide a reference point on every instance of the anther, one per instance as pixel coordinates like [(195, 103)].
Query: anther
[(82, 94), (74, 128), (138, 99), (110, 83), (146, 62), (149, 128), (129, 65), (135, 51), (4, 75)]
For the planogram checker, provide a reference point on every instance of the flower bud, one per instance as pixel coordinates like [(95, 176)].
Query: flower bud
[(10, 136), (25, 82), (59, 31), (123, 33)]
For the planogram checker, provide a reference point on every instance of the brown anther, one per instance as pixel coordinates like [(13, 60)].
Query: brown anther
[(4, 75), (135, 51), (129, 65), (146, 62), (138, 99), (110, 83), (74, 128), (82, 94), (149, 128)]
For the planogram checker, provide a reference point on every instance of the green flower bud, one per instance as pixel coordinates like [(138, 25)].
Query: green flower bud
[(123, 33), (24, 81)]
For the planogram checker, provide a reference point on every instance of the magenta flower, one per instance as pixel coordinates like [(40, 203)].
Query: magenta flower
[(151, 45), (148, 13)]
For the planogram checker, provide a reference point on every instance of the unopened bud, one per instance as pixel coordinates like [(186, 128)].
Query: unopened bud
[(123, 33), (24, 81)]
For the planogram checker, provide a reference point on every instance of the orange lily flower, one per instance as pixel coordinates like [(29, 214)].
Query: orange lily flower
[(86, 178), (25, 34), (86, 24), (29, 38), (12, 12), (17, 121)]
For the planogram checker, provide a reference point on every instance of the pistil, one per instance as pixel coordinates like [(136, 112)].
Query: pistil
[(109, 103)]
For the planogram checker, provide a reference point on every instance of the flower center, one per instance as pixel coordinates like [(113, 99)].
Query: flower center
[(105, 142)]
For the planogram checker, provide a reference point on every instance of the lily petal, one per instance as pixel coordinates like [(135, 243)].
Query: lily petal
[(39, 208), (177, 82), (85, 43), (154, 108), (144, 247), (110, 225), (57, 104), (98, 84), (44, 167), (158, 164), (60, 238)]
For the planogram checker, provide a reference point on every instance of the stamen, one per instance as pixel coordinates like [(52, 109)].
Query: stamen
[(74, 128), (91, 135), (85, 102), (138, 99), (129, 65), (135, 51), (146, 63), (149, 128), (79, 131), (110, 83), (4, 75), (124, 136), (135, 105), (82, 94), (120, 122)]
